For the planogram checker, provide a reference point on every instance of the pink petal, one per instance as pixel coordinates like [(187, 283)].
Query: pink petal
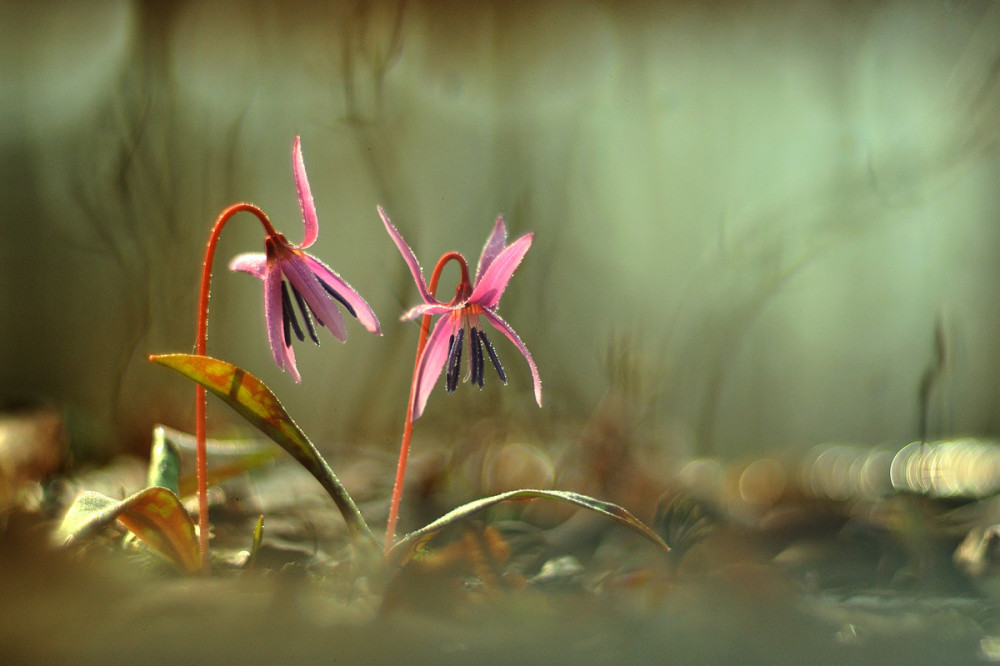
[(363, 311), (431, 363), (305, 196), (505, 328), (494, 246), (301, 277), (491, 285), (290, 365), (408, 257), (282, 353), (253, 263), (428, 309)]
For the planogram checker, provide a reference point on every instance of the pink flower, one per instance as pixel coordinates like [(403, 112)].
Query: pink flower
[(293, 278), (461, 322)]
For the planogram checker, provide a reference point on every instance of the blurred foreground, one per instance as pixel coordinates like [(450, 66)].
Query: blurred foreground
[(828, 558)]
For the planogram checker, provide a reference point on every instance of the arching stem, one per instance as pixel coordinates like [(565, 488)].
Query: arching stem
[(404, 448), (201, 344)]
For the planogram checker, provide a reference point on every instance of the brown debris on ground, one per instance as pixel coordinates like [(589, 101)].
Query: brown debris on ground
[(762, 570)]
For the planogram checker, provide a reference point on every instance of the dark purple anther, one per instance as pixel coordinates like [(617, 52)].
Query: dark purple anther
[(288, 314), (304, 309), (493, 357)]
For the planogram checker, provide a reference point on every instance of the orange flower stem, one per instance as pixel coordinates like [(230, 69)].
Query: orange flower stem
[(404, 448), (201, 344)]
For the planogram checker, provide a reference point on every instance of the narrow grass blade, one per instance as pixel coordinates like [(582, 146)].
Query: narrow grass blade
[(401, 553), (258, 538)]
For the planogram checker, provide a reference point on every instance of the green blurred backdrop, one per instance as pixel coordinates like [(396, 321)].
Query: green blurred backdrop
[(749, 216)]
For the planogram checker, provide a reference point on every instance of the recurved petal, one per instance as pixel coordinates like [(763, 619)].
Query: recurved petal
[(494, 246), (492, 283), (298, 272), (283, 354), (408, 257), (305, 196), (254, 263), (431, 363), (505, 328), (290, 364), (362, 310), (428, 309)]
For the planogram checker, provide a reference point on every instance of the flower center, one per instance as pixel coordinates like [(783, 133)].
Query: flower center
[(274, 245), (468, 326), (462, 292)]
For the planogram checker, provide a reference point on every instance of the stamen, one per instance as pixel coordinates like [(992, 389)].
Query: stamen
[(454, 361), (447, 373), (289, 315), (476, 353), (305, 310), (333, 292), (493, 357), (473, 377), (284, 319), (482, 362), (458, 356)]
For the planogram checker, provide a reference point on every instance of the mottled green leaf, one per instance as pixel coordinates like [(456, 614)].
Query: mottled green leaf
[(164, 463), (255, 402), (401, 553), (155, 515), (226, 457)]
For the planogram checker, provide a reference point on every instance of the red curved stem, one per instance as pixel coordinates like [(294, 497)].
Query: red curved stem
[(404, 448), (201, 344)]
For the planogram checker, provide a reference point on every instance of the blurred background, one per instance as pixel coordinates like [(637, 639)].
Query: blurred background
[(758, 225)]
